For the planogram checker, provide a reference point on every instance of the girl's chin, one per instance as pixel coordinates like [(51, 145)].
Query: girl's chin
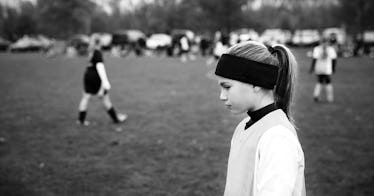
[(233, 111)]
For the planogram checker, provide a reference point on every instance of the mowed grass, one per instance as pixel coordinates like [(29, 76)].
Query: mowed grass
[(177, 138)]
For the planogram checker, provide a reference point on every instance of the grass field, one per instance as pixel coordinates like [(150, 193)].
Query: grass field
[(176, 140)]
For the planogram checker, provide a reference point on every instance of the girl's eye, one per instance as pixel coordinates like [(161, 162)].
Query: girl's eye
[(225, 85)]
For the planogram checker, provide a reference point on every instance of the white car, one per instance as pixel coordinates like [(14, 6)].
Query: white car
[(31, 43), (272, 36), (250, 35), (134, 35), (243, 34), (306, 37), (158, 40), (368, 36)]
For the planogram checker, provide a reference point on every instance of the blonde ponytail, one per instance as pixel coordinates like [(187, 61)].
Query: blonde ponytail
[(285, 86)]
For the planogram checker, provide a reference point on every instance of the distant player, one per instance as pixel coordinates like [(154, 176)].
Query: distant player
[(185, 49), (221, 44), (323, 65), (96, 83)]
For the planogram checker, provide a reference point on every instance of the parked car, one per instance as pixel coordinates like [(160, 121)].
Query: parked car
[(335, 33), (125, 37), (80, 43), (306, 37), (368, 42), (337, 37), (119, 38), (158, 41), (178, 33), (271, 36), (125, 41), (134, 35), (4, 44), (244, 34), (31, 43), (105, 39), (368, 37)]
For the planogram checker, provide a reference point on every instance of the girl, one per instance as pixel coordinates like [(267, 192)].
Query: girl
[(323, 65), (266, 157), (96, 83), (185, 48)]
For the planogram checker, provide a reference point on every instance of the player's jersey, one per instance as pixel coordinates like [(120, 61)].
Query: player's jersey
[(91, 80), (324, 64), (184, 44)]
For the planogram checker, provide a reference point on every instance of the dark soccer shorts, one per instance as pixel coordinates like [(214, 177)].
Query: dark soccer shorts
[(324, 79)]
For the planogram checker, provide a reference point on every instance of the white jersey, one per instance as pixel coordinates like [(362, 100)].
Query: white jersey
[(266, 159), (184, 43), (324, 65)]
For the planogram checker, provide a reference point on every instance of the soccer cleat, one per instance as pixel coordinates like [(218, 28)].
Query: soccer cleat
[(121, 118), (316, 99), (84, 123)]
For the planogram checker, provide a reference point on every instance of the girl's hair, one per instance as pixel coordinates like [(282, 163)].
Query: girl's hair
[(94, 43), (278, 55), (323, 43)]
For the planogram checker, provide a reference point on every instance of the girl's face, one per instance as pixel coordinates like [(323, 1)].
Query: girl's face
[(237, 96)]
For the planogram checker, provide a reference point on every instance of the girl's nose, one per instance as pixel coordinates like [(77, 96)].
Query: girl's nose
[(223, 96)]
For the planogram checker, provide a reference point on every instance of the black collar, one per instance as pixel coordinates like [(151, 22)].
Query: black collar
[(258, 114)]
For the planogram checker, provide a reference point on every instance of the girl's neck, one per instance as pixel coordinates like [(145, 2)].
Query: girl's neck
[(264, 102)]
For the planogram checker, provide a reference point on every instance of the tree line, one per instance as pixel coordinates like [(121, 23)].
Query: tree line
[(64, 18)]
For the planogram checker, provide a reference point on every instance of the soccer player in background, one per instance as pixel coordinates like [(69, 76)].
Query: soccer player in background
[(323, 65), (96, 82)]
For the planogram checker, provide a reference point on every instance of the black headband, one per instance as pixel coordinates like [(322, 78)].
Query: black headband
[(247, 71)]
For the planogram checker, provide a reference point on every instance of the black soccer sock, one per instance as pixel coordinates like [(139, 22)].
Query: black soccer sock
[(113, 114), (82, 116)]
